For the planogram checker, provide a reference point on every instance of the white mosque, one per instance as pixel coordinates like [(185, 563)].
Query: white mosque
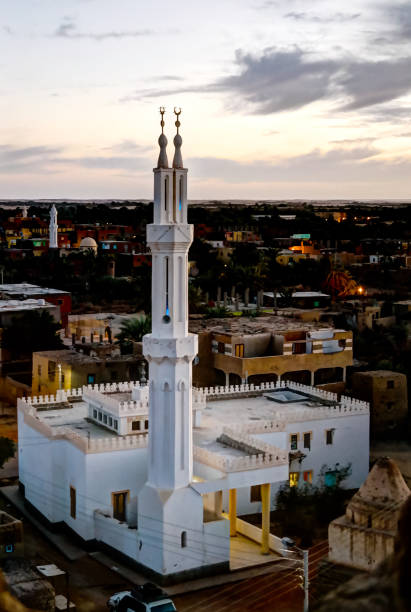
[(159, 473)]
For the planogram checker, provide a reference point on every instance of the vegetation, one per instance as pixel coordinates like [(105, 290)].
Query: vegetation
[(303, 512), (133, 330), (34, 331), (7, 450)]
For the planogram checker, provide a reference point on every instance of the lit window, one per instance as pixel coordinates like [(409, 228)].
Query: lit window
[(330, 479), (294, 476), (119, 501), (308, 476), (293, 441)]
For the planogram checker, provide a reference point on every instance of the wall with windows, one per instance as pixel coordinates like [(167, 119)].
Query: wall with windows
[(61, 467)]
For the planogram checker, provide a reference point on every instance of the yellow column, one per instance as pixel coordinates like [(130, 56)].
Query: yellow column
[(233, 511), (265, 518)]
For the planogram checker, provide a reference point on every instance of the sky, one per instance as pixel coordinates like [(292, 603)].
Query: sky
[(280, 99)]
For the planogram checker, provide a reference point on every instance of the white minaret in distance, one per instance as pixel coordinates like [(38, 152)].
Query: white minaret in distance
[(53, 228), (167, 506)]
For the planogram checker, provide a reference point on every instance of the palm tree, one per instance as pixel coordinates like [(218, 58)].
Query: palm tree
[(133, 330)]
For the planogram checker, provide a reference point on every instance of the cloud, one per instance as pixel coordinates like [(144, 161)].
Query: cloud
[(128, 146), (15, 160), (26, 159), (401, 15), (333, 18), (8, 30), (360, 164), (276, 81), (349, 141), (68, 29)]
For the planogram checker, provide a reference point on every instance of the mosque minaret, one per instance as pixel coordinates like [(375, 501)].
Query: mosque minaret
[(167, 505), (53, 244)]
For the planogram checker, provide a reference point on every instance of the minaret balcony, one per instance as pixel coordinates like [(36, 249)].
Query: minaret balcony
[(170, 348), (174, 236)]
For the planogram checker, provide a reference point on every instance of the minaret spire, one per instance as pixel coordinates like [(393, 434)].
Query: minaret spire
[(53, 244), (178, 141), (162, 141)]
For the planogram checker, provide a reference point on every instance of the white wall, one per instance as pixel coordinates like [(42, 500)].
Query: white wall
[(48, 468), (350, 445)]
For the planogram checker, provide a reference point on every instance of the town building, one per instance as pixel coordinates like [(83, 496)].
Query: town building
[(159, 472), (24, 291), (387, 395), (82, 365), (365, 535), (240, 350)]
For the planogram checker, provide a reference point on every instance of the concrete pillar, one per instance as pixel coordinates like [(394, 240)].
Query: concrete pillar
[(344, 376), (227, 379), (225, 299), (265, 518), (233, 292), (246, 296), (312, 378), (232, 512)]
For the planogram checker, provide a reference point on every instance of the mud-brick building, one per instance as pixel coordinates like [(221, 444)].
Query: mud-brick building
[(386, 393), (365, 535)]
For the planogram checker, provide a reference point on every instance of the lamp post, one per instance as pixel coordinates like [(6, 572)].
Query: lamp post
[(60, 377)]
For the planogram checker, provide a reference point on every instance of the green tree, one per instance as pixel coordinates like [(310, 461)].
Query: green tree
[(34, 331), (133, 330), (7, 450)]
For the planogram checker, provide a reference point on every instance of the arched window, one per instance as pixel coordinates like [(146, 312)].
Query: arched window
[(165, 192), (180, 193), (183, 539)]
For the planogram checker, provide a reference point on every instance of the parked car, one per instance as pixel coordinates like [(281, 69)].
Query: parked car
[(143, 598)]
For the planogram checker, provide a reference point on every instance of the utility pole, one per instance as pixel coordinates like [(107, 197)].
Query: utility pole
[(306, 582)]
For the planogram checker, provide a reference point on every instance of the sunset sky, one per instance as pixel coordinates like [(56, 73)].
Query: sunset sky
[(280, 98)]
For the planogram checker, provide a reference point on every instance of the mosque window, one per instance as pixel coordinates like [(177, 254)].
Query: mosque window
[(73, 502), (183, 539)]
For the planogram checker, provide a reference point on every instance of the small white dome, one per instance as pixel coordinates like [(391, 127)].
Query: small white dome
[(88, 242)]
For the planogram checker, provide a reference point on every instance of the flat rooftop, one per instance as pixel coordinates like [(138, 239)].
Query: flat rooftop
[(248, 411), (74, 418), (16, 305), (249, 325), (28, 289), (74, 357)]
